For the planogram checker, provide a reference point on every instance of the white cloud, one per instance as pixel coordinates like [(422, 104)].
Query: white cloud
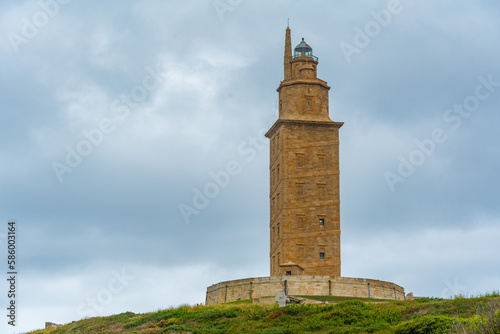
[(423, 259)]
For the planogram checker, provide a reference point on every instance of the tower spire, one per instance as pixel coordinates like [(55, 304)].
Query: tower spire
[(288, 55)]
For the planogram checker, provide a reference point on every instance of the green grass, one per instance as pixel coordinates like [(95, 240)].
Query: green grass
[(244, 301), (335, 299), (425, 315)]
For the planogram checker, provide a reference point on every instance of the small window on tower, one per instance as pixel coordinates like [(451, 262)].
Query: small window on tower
[(322, 221), (300, 160), (300, 189), (288, 273), (308, 90), (321, 161), (300, 251), (300, 221), (322, 256), (321, 190)]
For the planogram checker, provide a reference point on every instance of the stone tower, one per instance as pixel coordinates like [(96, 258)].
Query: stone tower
[(304, 197), (304, 168)]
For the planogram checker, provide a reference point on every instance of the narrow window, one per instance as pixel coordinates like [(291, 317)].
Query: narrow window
[(322, 256), (322, 221), (321, 161), (300, 251), (300, 221), (321, 190), (300, 190), (308, 90), (300, 160)]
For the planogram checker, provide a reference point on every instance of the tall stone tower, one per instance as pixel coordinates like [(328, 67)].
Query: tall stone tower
[(304, 168), (304, 197)]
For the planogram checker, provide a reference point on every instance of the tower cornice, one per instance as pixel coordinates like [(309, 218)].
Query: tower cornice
[(314, 81), (280, 122)]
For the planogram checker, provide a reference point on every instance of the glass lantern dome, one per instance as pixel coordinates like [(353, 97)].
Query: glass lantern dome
[(304, 50)]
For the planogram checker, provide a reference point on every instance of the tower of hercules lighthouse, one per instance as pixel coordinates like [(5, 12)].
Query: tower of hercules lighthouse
[(304, 172), (304, 198)]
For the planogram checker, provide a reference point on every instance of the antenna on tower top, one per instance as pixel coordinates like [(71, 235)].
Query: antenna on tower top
[(288, 24)]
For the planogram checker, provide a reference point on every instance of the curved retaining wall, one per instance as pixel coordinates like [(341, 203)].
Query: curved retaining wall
[(252, 288)]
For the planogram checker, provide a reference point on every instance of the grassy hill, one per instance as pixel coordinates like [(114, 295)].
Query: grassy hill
[(425, 315)]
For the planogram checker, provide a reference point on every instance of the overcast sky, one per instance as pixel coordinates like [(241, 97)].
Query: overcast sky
[(117, 115)]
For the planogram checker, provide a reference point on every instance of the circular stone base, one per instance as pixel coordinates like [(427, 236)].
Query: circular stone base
[(259, 287)]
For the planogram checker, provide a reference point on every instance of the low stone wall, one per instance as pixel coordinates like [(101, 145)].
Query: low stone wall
[(257, 287)]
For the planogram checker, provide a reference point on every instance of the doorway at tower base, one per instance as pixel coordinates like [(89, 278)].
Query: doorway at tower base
[(259, 287)]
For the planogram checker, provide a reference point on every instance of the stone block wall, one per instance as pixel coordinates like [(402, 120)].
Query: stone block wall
[(257, 287), (304, 198)]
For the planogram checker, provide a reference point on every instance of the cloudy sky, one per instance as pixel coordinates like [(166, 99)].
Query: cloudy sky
[(117, 115)]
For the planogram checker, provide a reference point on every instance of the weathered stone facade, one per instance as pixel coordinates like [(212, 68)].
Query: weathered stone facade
[(261, 287), (304, 168)]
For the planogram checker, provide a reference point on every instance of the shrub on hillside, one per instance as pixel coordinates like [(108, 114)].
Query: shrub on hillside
[(427, 324), (216, 314), (486, 323)]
